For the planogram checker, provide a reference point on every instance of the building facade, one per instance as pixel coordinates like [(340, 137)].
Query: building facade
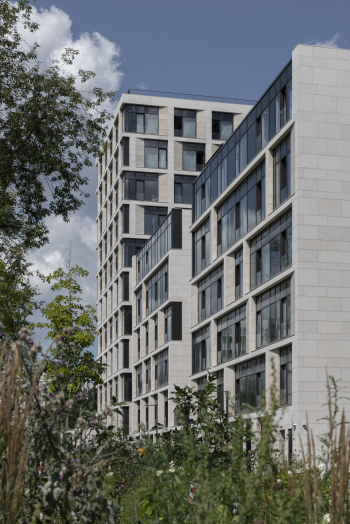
[(268, 279), (156, 146)]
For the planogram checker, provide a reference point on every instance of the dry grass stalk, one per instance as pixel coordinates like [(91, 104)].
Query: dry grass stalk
[(16, 403)]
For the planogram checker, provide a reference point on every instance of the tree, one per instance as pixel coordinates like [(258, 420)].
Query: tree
[(49, 130), (68, 318)]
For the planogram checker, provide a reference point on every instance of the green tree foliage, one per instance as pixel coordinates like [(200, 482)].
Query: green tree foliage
[(49, 130), (76, 366)]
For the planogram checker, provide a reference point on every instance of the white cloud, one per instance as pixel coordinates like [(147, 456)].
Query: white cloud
[(142, 86), (331, 42), (96, 52)]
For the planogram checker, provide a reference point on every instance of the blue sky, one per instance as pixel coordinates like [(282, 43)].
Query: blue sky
[(222, 48)]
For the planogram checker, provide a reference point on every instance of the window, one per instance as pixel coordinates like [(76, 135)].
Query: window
[(116, 389), (271, 251), (239, 274), (254, 132), (173, 322), (111, 391), (193, 157), (126, 422), (250, 384), (185, 123), (127, 320), (210, 293), (139, 305), (131, 247), (125, 211), (200, 350), (141, 119), (126, 355), (183, 189), (232, 341), (125, 277), (166, 410), (127, 387), (125, 151), (148, 376), (139, 380), (147, 414), (286, 375), (220, 391), (161, 369), (141, 186), (154, 217), (222, 126), (155, 398), (147, 339), (242, 210), (281, 172), (156, 332), (273, 320), (138, 345), (156, 153), (157, 292), (201, 248)]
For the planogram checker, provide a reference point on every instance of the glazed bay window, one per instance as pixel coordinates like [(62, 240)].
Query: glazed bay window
[(126, 353), (141, 119), (281, 172), (242, 210), (141, 186), (157, 289), (232, 341), (239, 274), (127, 387), (222, 126), (201, 248), (148, 376), (286, 375), (161, 369), (139, 380), (183, 189), (211, 293), (131, 246), (139, 306), (156, 154), (127, 320), (173, 322), (273, 314), (265, 119), (271, 251), (220, 394), (250, 384), (185, 123), (193, 157), (154, 217), (201, 350)]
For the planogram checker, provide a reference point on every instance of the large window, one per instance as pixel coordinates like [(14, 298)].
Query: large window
[(201, 350), (156, 153), (255, 131), (173, 322), (131, 247), (127, 320), (193, 157), (271, 251), (141, 119), (211, 293), (250, 384), (157, 289), (222, 126), (281, 172), (286, 375), (139, 380), (183, 189), (201, 248), (185, 123), (127, 387), (141, 186), (148, 376), (273, 315), (242, 210), (154, 217), (139, 306), (161, 369), (126, 154), (232, 341), (220, 393)]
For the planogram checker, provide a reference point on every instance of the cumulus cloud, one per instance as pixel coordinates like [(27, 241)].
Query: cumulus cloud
[(331, 42), (96, 52)]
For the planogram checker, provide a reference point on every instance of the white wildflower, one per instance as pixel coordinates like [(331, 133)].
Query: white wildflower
[(159, 472)]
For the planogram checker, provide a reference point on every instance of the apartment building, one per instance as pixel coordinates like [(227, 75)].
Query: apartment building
[(270, 287), (156, 148), (268, 278)]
